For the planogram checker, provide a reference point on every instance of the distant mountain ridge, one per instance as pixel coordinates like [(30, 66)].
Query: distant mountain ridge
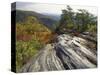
[(46, 20), (54, 16)]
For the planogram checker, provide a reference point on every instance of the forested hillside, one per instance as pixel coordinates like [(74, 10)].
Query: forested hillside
[(47, 20), (31, 36)]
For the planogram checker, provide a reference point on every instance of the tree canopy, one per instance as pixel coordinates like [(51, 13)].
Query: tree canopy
[(81, 21)]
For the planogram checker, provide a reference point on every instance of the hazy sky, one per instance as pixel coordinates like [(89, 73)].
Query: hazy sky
[(51, 8)]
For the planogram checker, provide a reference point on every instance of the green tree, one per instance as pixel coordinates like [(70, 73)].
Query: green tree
[(67, 18), (80, 21)]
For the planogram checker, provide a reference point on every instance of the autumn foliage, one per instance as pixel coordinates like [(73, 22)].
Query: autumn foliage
[(31, 36)]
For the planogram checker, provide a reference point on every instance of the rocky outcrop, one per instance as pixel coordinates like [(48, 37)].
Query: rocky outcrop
[(66, 53)]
